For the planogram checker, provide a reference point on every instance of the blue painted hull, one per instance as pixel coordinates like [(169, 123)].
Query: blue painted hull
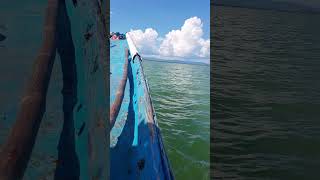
[(136, 147)]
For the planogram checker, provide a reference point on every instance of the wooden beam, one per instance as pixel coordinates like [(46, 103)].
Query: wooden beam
[(15, 153)]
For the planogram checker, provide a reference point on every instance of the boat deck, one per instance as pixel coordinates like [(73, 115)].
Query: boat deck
[(136, 148)]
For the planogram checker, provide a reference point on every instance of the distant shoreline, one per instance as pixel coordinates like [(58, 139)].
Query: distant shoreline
[(176, 61)]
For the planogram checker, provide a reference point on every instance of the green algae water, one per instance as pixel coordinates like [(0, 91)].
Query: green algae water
[(181, 97)]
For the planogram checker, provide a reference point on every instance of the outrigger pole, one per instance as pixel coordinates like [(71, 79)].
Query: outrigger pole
[(16, 152)]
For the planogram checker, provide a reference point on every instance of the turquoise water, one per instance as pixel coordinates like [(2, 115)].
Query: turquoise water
[(181, 98)]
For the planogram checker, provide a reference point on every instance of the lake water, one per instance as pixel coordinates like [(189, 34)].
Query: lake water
[(181, 98), (265, 79)]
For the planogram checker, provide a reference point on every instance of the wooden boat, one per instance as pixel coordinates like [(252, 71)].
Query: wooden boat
[(52, 133), (136, 146)]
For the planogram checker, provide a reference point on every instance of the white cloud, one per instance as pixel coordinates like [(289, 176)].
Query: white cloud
[(184, 42), (205, 48), (147, 41)]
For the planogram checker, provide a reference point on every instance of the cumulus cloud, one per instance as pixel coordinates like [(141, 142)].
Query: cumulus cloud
[(146, 41), (205, 48), (184, 42)]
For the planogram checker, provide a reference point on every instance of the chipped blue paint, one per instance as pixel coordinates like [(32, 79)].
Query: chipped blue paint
[(92, 90), (136, 147)]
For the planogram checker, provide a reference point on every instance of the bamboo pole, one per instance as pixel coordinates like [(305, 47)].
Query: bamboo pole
[(115, 108)]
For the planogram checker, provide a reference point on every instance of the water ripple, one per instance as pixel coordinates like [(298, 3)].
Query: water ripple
[(180, 94), (266, 95)]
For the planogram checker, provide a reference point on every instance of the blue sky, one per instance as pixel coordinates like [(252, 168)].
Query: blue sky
[(165, 28), (161, 15)]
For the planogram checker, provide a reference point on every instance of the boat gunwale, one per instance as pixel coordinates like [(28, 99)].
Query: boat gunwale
[(134, 54)]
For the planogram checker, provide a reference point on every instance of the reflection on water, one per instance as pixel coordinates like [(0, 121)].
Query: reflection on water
[(180, 94)]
